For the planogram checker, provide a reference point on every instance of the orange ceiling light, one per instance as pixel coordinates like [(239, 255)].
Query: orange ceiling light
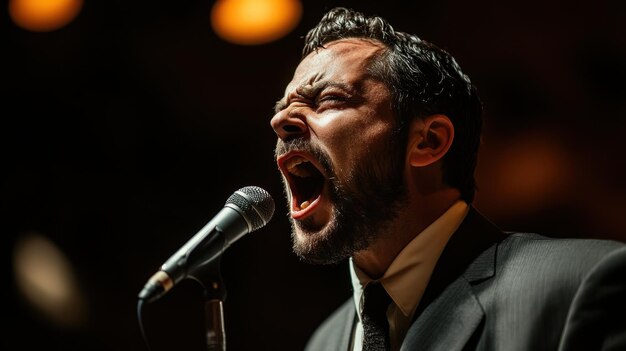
[(254, 22), (43, 15)]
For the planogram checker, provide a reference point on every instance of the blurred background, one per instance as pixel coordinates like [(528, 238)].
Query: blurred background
[(127, 124)]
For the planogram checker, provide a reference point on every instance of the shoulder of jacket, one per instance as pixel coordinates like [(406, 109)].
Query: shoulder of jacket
[(593, 244)]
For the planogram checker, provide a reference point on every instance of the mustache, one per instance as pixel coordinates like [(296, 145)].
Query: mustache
[(283, 147)]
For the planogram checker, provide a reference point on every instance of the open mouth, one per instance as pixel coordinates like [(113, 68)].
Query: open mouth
[(305, 180)]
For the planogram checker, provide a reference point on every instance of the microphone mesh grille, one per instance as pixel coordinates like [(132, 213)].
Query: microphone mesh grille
[(258, 209)]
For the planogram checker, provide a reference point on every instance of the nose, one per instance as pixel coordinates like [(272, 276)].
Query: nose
[(289, 124)]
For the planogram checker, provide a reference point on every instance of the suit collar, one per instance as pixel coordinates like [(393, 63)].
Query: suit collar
[(465, 254), (478, 237), (449, 313)]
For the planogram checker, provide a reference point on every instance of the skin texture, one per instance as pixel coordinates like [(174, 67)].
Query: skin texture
[(378, 194)]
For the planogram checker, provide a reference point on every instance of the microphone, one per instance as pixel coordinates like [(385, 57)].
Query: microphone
[(245, 211)]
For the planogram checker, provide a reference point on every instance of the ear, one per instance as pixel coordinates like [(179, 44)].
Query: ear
[(430, 139)]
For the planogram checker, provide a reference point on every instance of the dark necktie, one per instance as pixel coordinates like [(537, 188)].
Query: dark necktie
[(375, 324)]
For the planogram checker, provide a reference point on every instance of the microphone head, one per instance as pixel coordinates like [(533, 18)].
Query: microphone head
[(256, 204)]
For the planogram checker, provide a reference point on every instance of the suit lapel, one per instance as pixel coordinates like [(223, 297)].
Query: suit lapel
[(345, 341), (449, 312), (448, 323)]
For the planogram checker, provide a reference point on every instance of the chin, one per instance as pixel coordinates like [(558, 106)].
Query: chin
[(320, 245)]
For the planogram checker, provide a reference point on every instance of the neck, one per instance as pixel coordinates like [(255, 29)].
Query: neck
[(411, 221)]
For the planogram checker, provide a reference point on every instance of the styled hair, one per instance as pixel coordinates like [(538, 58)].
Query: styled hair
[(423, 80)]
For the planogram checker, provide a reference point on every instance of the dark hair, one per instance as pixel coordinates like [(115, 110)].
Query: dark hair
[(423, 80)]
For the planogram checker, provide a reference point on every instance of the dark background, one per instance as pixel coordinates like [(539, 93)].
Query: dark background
[(124, 132)]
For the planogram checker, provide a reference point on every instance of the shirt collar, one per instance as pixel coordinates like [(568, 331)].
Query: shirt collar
[(406, 278)]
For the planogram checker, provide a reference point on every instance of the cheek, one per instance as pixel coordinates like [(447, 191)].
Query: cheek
[(353, 137), (365, 150)]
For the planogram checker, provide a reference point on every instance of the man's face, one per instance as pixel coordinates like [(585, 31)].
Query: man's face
[(341, 162)]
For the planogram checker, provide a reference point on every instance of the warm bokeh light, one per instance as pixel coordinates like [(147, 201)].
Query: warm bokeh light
[(524, 174), (253, 22), (46, 279), (43, 15)]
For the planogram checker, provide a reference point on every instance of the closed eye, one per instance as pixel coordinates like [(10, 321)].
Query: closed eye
[(331, 98), (331, 101)]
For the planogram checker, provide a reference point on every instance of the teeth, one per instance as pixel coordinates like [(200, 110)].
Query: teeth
[(304, 205), (292, 162), (292, 167)]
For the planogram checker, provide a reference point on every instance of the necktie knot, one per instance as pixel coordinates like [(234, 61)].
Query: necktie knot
[(374, 316)]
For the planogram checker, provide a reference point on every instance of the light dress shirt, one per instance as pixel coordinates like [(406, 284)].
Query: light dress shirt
[(406, 278)]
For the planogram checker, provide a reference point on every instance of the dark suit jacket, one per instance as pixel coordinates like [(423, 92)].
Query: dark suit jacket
[(492, 290)]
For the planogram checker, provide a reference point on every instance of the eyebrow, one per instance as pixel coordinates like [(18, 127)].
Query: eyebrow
[(309, 91)]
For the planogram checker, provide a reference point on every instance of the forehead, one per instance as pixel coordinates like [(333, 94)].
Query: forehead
[(344, 60)]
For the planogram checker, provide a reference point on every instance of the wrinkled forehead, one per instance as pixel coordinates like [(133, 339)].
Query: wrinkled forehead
[(341, 60)]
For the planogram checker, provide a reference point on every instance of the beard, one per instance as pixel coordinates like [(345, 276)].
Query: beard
[(363, 206)]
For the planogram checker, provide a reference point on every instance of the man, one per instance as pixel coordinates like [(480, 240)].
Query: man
[(378, 135)]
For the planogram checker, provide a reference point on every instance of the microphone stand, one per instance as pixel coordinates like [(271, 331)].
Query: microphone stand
[(214, 296)]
